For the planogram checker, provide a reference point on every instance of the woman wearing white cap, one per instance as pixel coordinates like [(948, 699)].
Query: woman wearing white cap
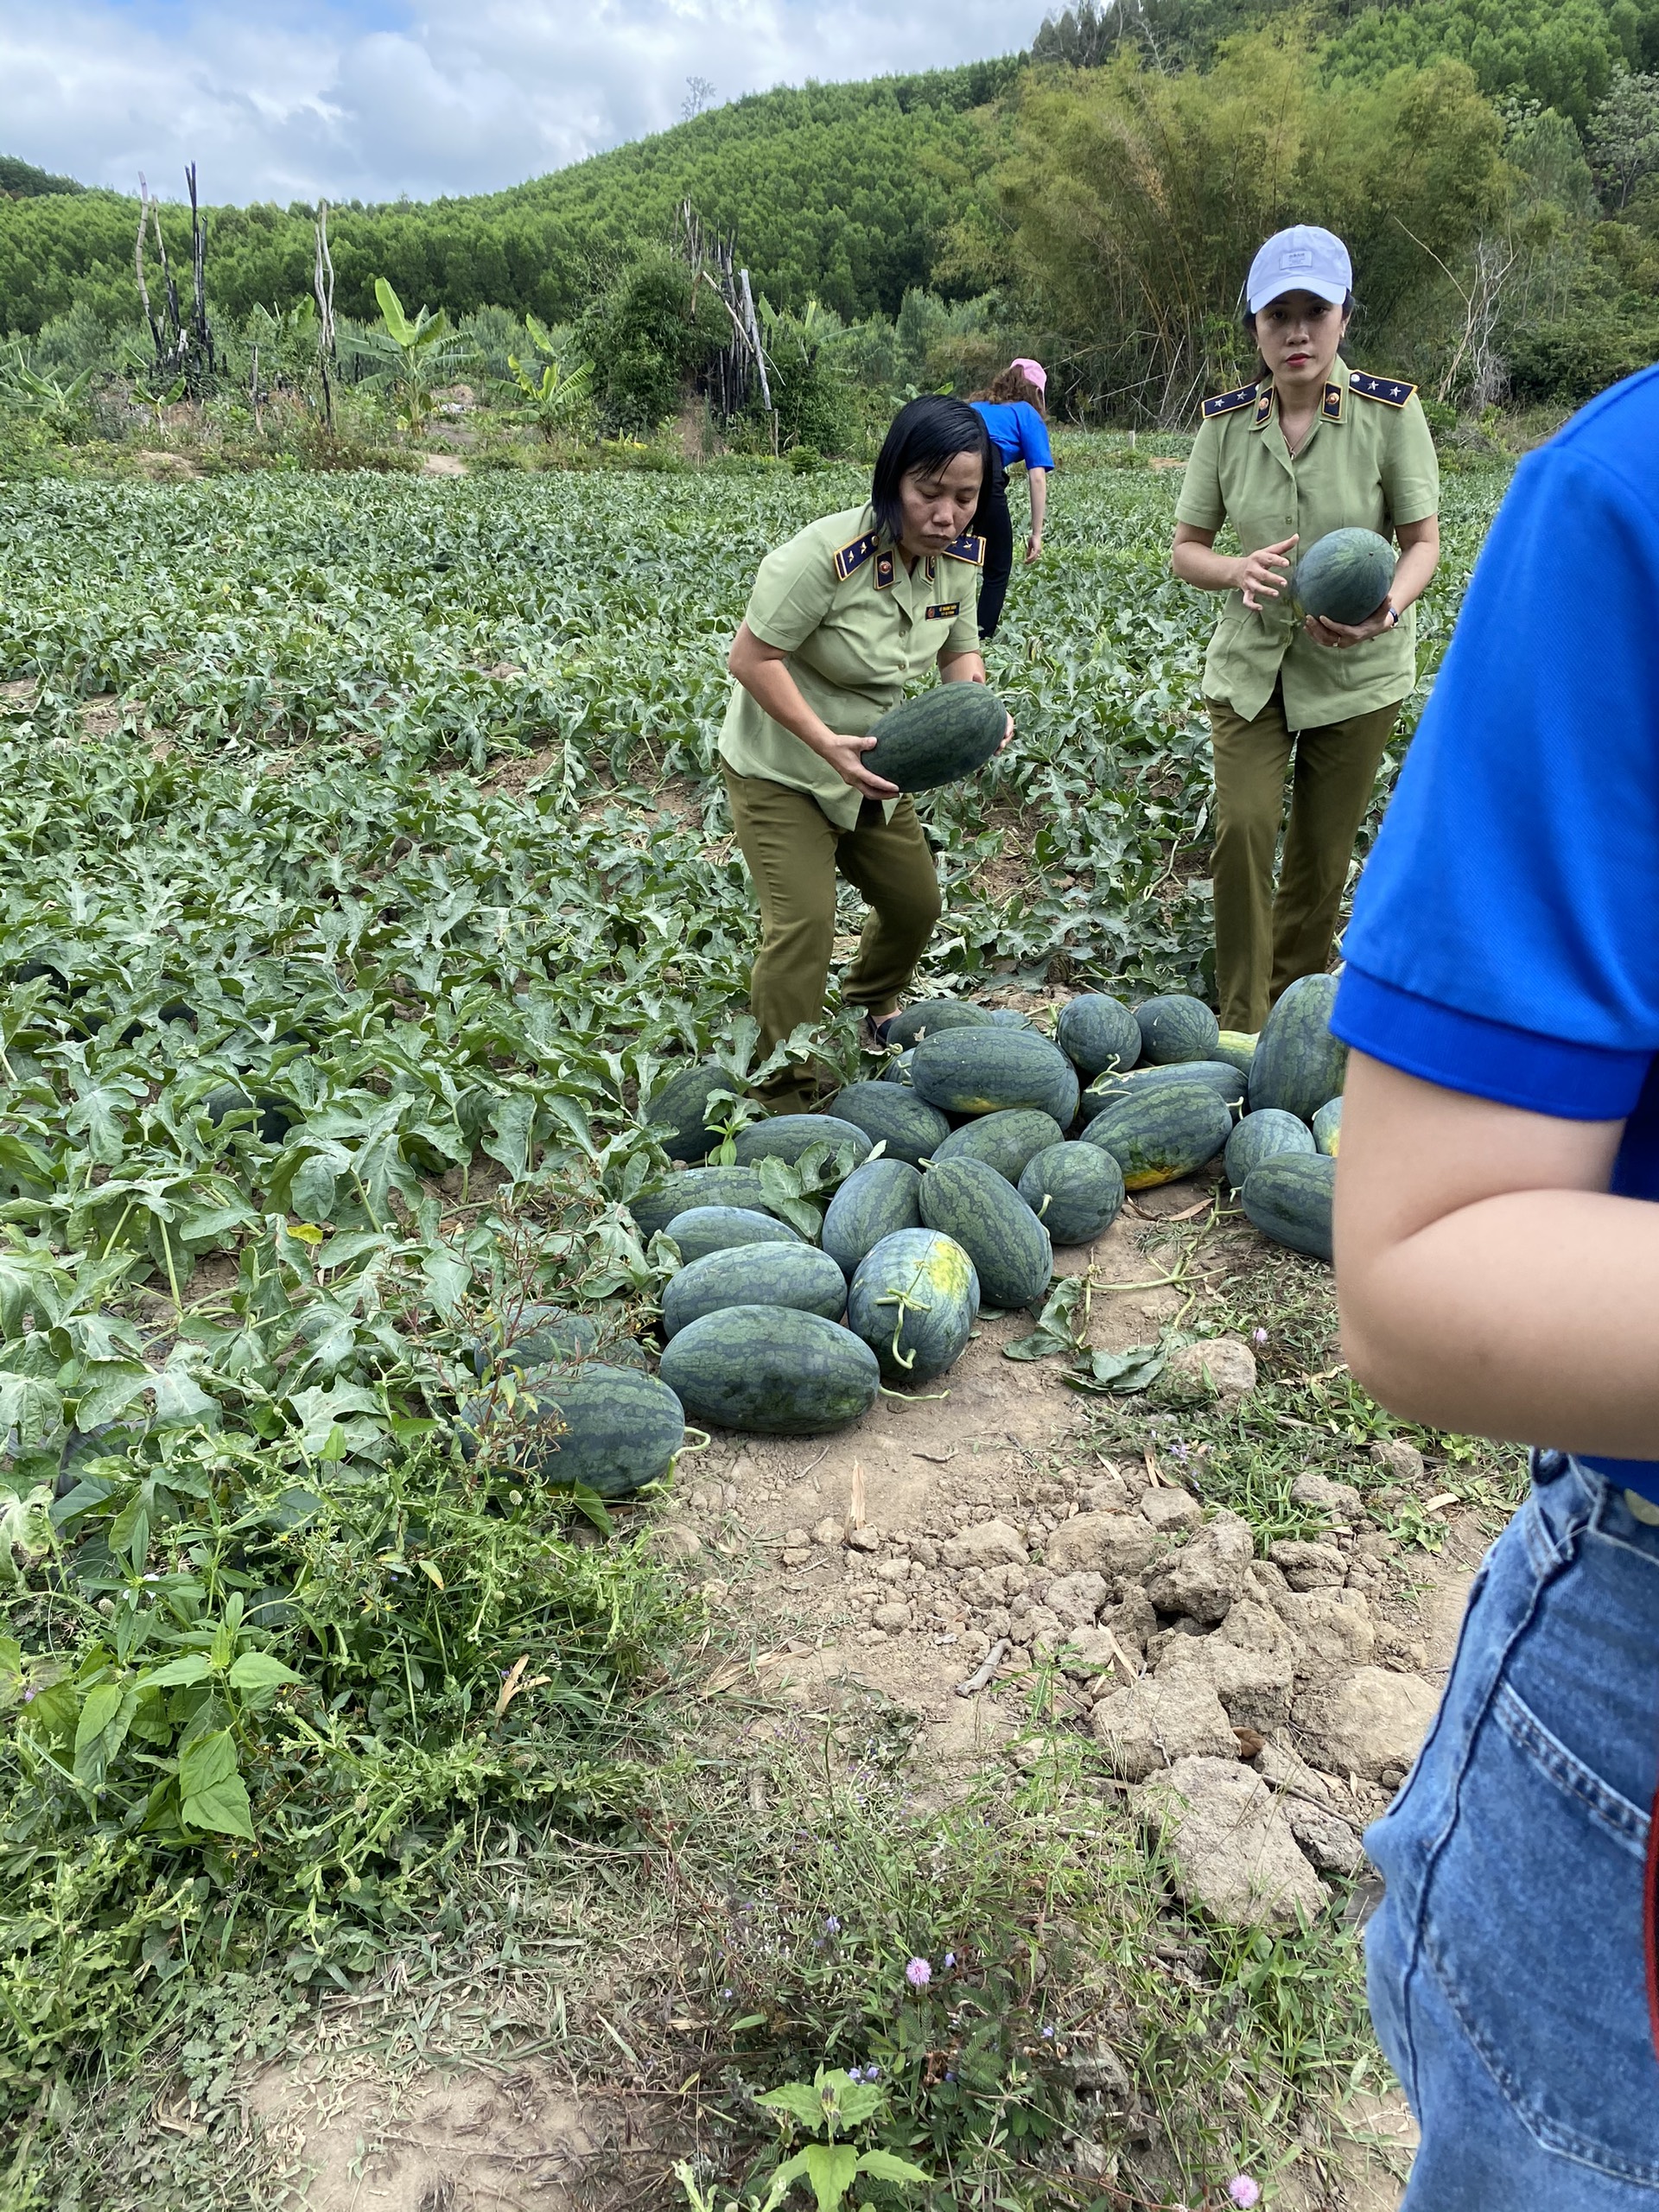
[(1311, 446), (1012, 408)]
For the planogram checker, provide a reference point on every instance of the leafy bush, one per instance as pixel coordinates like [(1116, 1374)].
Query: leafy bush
[(1565, 364), (648, 336)]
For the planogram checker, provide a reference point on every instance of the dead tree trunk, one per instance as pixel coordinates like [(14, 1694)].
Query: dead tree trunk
[(322, 283)]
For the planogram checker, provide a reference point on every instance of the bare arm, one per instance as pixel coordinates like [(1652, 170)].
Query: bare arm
[(1259, 576), (1487, 1282), (1038, 480), (764, 672)]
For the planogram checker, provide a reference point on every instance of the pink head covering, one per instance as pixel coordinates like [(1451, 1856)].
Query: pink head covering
[(1033, 372)]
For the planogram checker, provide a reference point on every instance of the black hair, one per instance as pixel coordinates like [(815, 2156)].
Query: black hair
[(925, 432), (1263, 371)]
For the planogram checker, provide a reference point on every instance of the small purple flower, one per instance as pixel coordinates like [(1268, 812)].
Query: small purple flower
[(1048, 2035), (1257, 1336), (872, 2073), (949, 1958), (855, 2073), (918, 1973), (1244, 2192), (831, 1924)]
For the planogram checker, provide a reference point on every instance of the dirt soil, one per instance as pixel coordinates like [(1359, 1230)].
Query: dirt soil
[(824, 1555)]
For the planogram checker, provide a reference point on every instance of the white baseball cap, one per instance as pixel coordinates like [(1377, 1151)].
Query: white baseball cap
[(1302, 259)]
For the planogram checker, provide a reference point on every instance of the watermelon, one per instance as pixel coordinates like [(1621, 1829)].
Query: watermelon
[(1327, 1127), (914, 1300), (928, 1016), (1344, 575), (938, 738), (1075, 1190), (987, 1070), (701, 1229), (1008, 1246), (1289, 1199), (655, 1206), (798, 1275), (1009, 1017), (1160, 1132), (1264, 1135), (772, 1370), (891, 1115), (1237, 1048), (536, 1336), (874, 1201), (277, 1116), (1174, 1029), (1004, 1142), (1097, 1032), (1218, 1076), (613, 1429), (1299, 1064), (787, 1136), (897, 1070), (675, 1114)]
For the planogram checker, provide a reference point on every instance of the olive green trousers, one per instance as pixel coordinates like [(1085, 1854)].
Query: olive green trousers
[(794, 851), (1265, 940)]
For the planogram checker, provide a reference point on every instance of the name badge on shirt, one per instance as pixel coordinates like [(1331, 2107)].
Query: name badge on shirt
[(946, 611)]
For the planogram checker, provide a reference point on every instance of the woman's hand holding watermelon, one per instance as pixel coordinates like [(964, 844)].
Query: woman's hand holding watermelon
[(1324, 631)]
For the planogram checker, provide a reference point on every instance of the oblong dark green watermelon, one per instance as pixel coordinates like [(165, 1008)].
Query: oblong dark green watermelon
[(1327, 1127), (1344, 575), (1175, 1027), (1299, 1062), (277, 1116), (1161, 1131), (798, 1275), (787, 1136), (1097, 1032), (1005, 1140), (676, 1111), (897, 1070), (1218, 1076), (772, 1370), (655, 1206), (914, 1300), (702, 1230), (890, 1115), (613, 1429), (1264, 1135), (1009, 1247), (938, 738), (1237, 1047), (1009, 1017), (1289, 1199), (988, 1070), (535, 1335), (929, 1016), (875, 1201), (1075, 1190)]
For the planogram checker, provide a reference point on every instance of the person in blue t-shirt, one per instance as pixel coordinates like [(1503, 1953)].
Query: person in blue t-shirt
[(1497, 1265), (1013, 409)]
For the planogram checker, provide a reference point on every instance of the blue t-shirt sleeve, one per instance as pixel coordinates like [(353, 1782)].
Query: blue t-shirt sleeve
[(1034, 449), (1506, 939)]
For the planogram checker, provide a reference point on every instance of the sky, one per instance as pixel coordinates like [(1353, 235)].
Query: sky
[(368, 99)]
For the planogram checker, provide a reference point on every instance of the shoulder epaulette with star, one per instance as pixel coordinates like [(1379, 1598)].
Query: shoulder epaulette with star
[(967, 548), (1229, 403), (850, 558), (1389, 390)]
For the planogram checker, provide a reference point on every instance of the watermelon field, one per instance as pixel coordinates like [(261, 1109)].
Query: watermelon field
[(364, 879)]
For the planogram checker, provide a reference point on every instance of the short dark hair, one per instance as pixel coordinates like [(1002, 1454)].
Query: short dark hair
[(922, 434)]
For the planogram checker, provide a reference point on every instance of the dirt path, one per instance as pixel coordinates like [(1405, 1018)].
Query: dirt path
[(967, 1536)]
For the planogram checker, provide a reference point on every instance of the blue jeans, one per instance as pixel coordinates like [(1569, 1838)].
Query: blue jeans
[(1505, 1964)]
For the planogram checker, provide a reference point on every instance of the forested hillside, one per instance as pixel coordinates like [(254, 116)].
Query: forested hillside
[(1493, 163), (840, 193)]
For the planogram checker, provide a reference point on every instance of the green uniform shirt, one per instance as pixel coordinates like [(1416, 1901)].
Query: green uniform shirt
[(1367, 463), (858, 626)]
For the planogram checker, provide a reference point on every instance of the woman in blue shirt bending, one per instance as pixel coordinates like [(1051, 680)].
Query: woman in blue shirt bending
[(1013, 409)]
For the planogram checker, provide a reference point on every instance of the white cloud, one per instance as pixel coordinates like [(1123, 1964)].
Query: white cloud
[(369, 101)]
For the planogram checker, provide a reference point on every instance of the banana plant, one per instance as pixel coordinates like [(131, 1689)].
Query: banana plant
[(557, 397), (415, 356), (56, 406)]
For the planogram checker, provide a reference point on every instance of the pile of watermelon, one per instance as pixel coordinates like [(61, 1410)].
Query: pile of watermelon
[(981, 1145)]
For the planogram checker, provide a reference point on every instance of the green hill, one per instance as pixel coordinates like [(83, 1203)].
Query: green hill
[(836, 192)]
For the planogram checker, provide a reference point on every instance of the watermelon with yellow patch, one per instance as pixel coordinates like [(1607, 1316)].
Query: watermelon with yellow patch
[(914, 1299), (1159, 1132)]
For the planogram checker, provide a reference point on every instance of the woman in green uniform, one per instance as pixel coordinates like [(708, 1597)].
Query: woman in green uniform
[(1311, 446), (841, 621)]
